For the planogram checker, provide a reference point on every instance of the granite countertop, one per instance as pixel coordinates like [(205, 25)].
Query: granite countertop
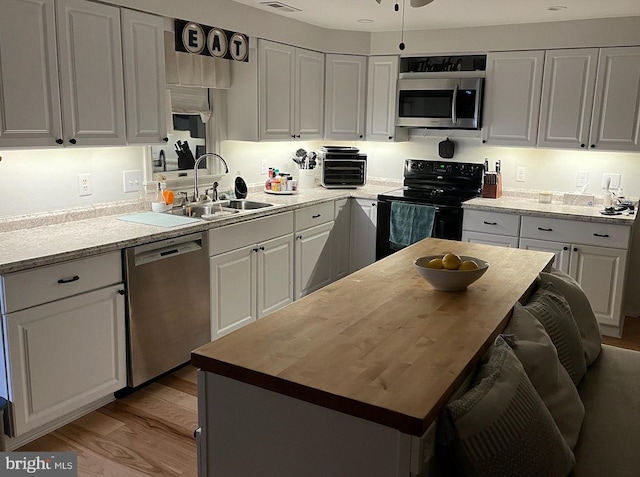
[(47, 244), (516, 205)]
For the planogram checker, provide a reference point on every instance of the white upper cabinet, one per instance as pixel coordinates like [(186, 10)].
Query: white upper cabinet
[(512, 106), (382, 102), (279, 97), (309, 95), (29, 90), (616, 110), (144, 77), (345, 97), (567, 97), (91, 76), (276, 80)]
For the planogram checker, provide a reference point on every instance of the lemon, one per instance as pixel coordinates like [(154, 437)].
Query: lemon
[(468, 265), (435, 263), (451, 261)]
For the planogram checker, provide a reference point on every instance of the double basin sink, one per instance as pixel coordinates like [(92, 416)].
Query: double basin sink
[(208, 209)]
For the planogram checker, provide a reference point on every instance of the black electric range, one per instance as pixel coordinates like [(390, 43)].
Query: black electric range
[(442, 184)]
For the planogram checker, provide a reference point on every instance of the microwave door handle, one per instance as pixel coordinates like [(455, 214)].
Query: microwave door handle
[(454, 107)]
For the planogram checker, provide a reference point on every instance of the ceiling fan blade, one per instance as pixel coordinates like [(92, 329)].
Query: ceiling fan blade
[(420, 3)]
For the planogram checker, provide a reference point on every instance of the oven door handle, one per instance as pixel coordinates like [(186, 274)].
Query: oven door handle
[(454, 105)]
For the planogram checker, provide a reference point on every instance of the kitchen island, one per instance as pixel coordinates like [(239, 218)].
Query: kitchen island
[(350, 379)]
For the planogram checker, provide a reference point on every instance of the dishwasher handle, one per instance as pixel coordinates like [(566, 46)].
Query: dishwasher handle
[(165, 249)]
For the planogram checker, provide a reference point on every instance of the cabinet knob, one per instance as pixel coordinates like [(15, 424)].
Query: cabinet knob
[(575, 249), (299, 237), (121, 292), (484, 141), (256, 249), (298, 136), (390, 138), (593, 146), (293, 136), (72, 141), (583, 145), (361, 136), (565, 248), (262, 248), (59, 141), (165, 139)]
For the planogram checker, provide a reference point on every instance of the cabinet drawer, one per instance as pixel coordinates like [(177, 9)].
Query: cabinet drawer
[(491, 222), (576, 232), (233, 237), (42, 285), (313, 215)]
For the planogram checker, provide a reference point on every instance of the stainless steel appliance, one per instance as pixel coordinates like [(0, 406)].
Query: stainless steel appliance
[(168, 304), (444, 185), (451, 103), (343, 167)]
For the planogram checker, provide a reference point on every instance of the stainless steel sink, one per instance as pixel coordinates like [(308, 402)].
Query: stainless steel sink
[(199, 209), (243, 204)]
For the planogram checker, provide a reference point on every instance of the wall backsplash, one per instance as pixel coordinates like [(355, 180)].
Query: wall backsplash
[(33, 181)]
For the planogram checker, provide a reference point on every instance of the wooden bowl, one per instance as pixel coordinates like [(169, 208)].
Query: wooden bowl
[(450, 280)]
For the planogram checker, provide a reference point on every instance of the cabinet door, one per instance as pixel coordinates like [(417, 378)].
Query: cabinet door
[(363, 233), (567, 98), (309, 94), (382, 100), (233, 290), (91, 77), (276, 79), (275, 275), (512, 107), (601, 272), (616, 109), (341, 239), (561, 251), (312, 259), (30, 95), (65, 355), (345, 97), (145, 87), (490, 239)]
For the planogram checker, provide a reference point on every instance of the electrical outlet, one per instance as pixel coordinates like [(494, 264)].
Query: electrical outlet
[(84, 185), (132, 180), (265, 166), (615, 181), (582, 178), (521, 174)]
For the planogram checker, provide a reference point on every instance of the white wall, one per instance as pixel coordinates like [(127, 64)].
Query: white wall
[(41, 180), (573, 34)]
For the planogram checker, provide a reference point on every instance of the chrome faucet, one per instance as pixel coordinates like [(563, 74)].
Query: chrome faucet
[(196, 193)]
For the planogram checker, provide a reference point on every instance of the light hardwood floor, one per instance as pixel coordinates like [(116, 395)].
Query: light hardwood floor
[(150, 432)]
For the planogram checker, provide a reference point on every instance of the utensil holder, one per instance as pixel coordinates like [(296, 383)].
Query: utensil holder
[(492, 187), (306, 178)]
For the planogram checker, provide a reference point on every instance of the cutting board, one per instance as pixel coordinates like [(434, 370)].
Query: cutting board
[(159, 219)]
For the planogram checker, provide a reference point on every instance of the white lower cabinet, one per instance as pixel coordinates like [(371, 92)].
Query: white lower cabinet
[(364, 219), (312, 259), (594, 254), (490, 228), (340, 239), (64, 342), (250, 283), (64, 355), (253, 280)]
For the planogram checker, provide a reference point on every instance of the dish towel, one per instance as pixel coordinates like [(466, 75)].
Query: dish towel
[(410, 223)]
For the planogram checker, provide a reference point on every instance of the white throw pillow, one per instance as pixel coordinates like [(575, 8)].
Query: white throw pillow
[(581, 311), (538, 356)]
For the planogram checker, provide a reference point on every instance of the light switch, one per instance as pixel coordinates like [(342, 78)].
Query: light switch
[(582, 179), (132, 180), (521, 174), (615, 181)]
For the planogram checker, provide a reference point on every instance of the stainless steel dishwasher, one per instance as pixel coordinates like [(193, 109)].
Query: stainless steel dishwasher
[(168, 304)]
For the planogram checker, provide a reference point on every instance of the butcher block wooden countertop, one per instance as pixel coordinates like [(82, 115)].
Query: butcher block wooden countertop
[(381, 344)]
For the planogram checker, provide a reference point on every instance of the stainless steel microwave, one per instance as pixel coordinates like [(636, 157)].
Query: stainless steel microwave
[(450, 103)]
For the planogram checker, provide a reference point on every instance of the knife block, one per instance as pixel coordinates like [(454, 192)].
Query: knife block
[(492, 187)]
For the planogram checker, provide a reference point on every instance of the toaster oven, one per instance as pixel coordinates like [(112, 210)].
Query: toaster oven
[(342, 167)]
